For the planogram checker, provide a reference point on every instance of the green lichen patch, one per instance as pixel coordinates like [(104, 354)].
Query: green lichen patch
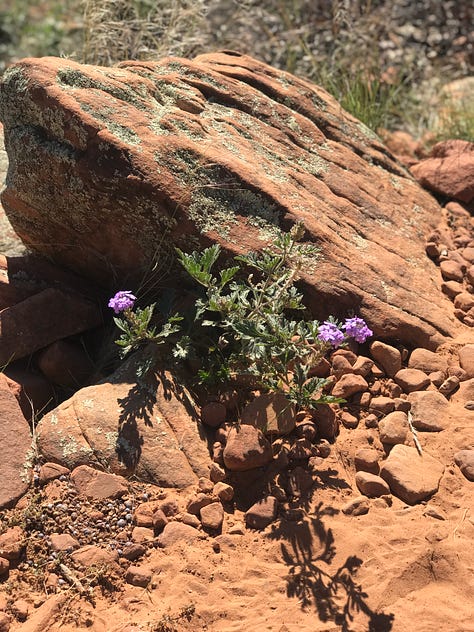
[(136, 96), (122, 132)]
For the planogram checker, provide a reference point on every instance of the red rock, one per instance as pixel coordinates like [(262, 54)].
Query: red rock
[(140, 535), (411, 380), (382, 404), (212, 516), (449, 385), (429, 410), (349, 420), (21, 609), (452, 270), (43, 617), (162, 445), (138, 576), (348, 385), (449, 170), (15, 439), (466, 359), (388, 357), (411, 476), (452, 288), (98, 485), (4, 566), (143, 514), (50, 471), (223, 491), (262, 513), (341, 366), (371, 485), (427, 361), (133, 551), (213, 414), (393, 428), (66, 364), (362, 366), (367, 460), (41, 319), (33, 391), (217, 473), (177, 532), (302, 146), (464, 459), (326, 422), (464, 301), (246, 449), (271, 413), (356, 506), (12, 542), (91, 555), (196, 503), (63, 542)]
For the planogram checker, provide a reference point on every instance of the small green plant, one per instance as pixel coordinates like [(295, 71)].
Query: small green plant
[(136, 326), (244, 322)]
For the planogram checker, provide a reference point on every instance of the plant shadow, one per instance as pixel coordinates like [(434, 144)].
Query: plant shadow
[(308, 549), (150, 388)]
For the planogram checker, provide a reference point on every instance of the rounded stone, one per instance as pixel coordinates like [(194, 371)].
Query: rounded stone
[(371, 485), (367, 460), (394, 428), (411, 380), (388, 357)]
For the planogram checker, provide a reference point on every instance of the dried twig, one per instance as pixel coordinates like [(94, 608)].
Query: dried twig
[(72, 578), (414, 433)]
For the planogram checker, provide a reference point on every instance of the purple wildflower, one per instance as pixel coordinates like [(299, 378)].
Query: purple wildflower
[(329, 332), (122, 301), (357, 328)]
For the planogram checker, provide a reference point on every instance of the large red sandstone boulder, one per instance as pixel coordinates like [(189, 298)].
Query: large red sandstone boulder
[(111, 167), (144, 429)]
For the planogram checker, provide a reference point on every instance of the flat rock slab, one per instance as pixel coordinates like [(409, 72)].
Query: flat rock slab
[(98, 485), (17, 453), (411, 476), (146, 430), (41, 319), (121, 164)]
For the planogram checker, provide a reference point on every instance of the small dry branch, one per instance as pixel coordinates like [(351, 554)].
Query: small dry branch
[(414, 433)]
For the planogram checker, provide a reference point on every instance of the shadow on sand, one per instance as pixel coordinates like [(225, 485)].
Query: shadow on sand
[(308, 549)]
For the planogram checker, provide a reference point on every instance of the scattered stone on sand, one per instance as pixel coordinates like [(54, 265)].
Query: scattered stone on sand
[(429, 410), (246, 449), (262, 513), (465, 461), (394, 428), (411, 476)]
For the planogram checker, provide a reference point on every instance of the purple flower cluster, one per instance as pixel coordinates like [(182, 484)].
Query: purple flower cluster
[(330, 332), (357, 328), (353, 327), (122, 301)]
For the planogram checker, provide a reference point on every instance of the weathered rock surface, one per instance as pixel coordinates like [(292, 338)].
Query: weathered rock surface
[(108, 164), (148, 431), (17, 454), (411, 476)]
